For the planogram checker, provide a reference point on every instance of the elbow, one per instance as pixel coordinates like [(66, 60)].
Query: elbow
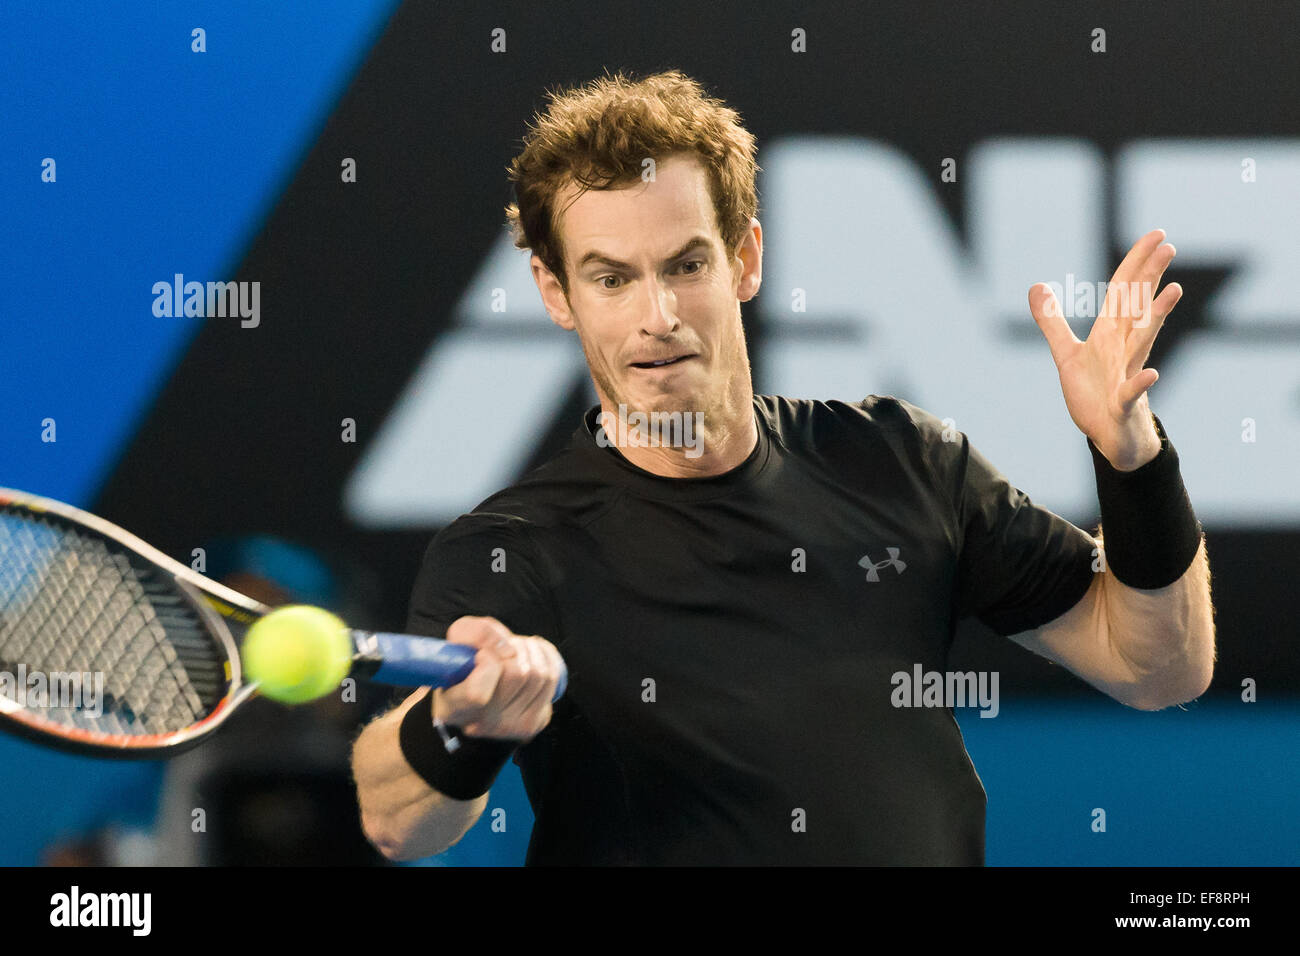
[(1171, 694), (389, 842), (380, 838), (394, 851), (1201, 683), (379, 817), (379, 827), (387, 848), (1183, 678), (1201, 673), (376, 828), (401, 838)]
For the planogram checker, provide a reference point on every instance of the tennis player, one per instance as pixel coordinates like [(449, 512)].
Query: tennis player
[(737, 582)]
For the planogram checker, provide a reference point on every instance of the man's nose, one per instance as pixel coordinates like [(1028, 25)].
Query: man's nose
[(660, 316)]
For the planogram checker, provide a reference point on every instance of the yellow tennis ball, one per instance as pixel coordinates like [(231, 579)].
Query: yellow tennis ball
[(297, 653)]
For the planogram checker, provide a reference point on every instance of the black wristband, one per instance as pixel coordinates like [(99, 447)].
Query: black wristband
[(457, 766), (1150, 533)]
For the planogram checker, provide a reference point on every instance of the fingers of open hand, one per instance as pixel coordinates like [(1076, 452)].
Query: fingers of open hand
[(1131, 390), (1133, 263), (1133, 287), (1144, 333), (1047, 312)]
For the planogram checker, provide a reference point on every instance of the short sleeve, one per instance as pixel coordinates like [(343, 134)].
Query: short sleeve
[(1020, 565), (484, 565)]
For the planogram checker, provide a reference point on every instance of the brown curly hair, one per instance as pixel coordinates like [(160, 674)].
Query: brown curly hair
[(596, 136)]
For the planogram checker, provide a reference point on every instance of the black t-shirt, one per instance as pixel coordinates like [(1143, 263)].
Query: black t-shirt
[(731, 640)]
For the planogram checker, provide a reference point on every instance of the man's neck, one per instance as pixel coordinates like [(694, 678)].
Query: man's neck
[(682, 445)]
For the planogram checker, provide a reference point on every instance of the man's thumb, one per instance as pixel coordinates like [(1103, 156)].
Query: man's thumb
[(1046, 310)]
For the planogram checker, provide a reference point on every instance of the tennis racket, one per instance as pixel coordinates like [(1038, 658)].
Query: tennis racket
[(84, 602)]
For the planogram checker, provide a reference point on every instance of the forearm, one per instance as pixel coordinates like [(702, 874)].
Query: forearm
[(401, 815), (1165, 635), (1156, 589)]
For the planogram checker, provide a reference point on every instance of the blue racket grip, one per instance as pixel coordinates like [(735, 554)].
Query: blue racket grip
[(409, 661)]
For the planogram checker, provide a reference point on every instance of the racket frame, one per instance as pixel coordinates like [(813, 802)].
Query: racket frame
[(213, 602)]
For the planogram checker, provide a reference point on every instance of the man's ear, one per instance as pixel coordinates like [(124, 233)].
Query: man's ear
[(557, 305), (750, 254)]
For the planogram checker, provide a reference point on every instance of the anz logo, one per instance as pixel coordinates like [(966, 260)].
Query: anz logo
[(869, 288)]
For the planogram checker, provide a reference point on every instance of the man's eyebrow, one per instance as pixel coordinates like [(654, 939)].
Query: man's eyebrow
[(596, 256)]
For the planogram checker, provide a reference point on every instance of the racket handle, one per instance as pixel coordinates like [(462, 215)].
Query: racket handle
[(407, 661)]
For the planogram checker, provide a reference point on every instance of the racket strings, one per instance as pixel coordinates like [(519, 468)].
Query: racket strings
[(72, 605)]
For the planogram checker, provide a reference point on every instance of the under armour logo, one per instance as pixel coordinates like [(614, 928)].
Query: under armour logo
[(873, 569)]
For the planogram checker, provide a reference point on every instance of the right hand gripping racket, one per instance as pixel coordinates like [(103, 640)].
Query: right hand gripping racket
[(83, 601)]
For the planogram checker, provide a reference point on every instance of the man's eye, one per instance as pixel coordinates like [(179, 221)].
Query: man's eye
[(693, 262), (603, 279)]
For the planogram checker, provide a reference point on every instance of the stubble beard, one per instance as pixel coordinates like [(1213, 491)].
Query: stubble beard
[(720, 402)]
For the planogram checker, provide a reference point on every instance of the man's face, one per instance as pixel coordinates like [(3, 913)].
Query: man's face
[(649, 279)]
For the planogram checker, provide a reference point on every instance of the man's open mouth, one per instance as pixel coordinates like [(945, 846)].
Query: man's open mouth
[(660, 363)]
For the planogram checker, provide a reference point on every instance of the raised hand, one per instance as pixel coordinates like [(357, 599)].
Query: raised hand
[(1103, 378)]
